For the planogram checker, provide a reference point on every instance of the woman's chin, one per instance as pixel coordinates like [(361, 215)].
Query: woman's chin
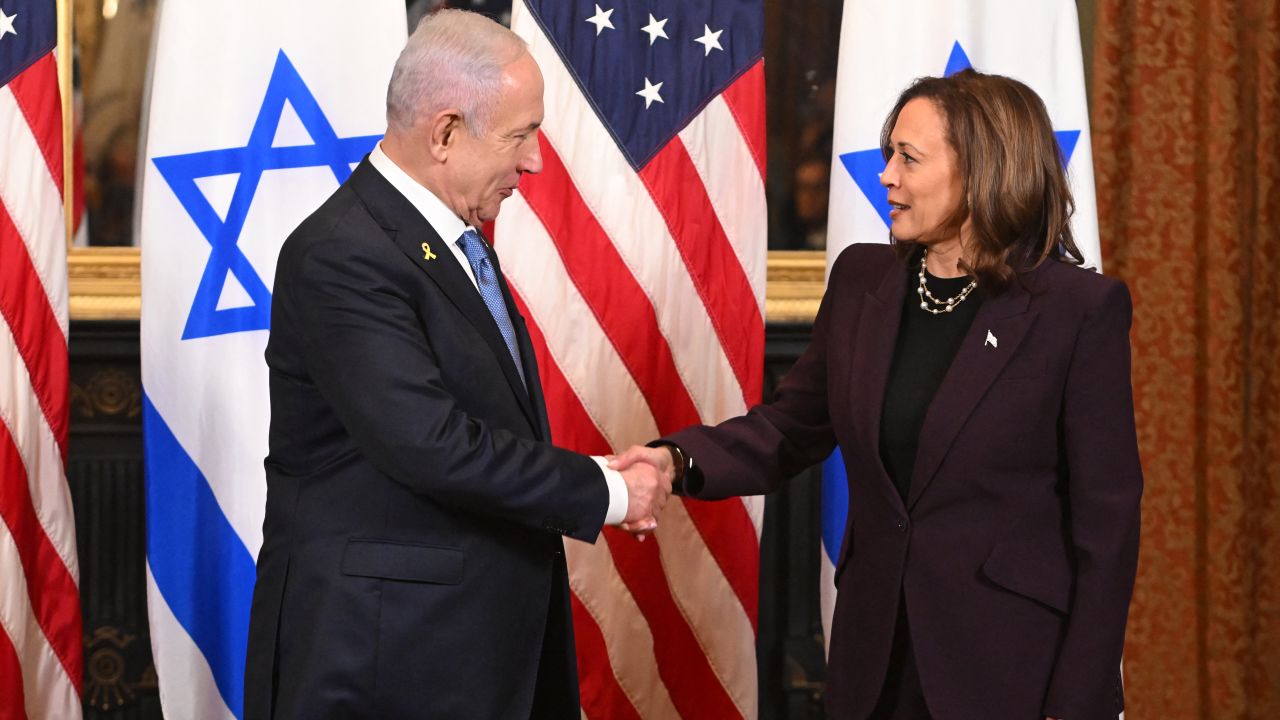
[(903, 234)]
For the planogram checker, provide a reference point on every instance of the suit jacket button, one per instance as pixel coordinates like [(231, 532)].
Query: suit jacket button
[(902, 526)]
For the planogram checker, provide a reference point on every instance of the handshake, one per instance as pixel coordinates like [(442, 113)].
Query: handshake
[(649, 474)]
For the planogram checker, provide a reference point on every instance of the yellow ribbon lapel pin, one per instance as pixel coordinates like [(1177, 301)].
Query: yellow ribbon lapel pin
[(426, 252)]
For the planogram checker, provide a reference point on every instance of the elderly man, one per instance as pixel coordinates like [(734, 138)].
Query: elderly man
[(412, 563)]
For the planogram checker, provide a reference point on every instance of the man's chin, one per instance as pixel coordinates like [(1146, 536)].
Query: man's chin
[(486, 215)]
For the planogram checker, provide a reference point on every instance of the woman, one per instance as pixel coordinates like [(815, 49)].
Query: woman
[(977, 381)]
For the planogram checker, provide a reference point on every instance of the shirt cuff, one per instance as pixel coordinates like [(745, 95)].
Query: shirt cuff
[(617, 492)]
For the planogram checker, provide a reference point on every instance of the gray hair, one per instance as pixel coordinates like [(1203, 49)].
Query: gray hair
[(453, 59)]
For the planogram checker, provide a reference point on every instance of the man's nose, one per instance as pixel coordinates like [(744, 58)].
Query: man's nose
[(532, 162)]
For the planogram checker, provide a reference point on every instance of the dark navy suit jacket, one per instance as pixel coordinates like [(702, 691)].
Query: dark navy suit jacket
[(1017, 545), (412, 562)]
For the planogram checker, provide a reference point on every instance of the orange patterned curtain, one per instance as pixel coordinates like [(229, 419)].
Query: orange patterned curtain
[(1185, 113)]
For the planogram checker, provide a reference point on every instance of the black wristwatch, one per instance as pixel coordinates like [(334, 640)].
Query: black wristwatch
[(688, 480)]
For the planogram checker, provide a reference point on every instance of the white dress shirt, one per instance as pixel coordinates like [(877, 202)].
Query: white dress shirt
[(450, 227)]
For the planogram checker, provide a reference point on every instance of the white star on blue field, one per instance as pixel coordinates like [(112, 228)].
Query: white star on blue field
[(865, 166), (249, 162)]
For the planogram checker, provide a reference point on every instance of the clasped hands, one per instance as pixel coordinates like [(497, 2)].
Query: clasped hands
[(649, 474)]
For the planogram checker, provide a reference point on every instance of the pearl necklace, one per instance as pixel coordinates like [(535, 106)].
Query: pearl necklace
[(944, 306)]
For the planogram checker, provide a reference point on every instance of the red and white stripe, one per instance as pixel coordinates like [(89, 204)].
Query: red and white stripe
[(41, 656), (644, 294)]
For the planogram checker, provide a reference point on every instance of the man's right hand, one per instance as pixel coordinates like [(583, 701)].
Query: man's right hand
[(648, 475)]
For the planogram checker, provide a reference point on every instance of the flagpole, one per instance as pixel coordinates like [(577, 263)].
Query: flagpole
[(68, 115)]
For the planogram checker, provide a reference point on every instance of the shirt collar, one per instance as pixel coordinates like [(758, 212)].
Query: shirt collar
[(443, 220)]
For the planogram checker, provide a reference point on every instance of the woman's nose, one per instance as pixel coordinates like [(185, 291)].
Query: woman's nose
[(889, 177)]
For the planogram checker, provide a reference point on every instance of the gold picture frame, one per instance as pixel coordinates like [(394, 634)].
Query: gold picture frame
[(106, 284)]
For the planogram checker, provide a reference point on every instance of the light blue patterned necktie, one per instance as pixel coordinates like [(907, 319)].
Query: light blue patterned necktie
[(487, 280)]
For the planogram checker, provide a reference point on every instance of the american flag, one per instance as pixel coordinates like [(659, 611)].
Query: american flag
[(637, 257), (41, 659)]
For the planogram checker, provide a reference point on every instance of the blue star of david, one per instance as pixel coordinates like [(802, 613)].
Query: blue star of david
[(865, 166), (249, 162)]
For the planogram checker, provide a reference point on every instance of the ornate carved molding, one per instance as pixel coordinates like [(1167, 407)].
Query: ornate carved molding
[(795, 286), (106, 284), (107, 392), (113, 678)]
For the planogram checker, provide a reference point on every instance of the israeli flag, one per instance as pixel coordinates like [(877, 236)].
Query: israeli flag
[(883, 47), (258, 110)]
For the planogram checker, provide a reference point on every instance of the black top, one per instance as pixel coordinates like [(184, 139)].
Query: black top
[(926, 345)]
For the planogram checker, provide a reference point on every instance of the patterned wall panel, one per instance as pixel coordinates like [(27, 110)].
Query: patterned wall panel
[(104, 471), (789, 649)]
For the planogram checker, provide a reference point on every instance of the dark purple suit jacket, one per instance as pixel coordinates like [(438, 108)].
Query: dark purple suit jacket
[(1017, 546)]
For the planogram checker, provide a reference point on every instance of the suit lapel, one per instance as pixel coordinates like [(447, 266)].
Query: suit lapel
[(873, 348), (415, 237), (536, 398), (531, 391), (529, 355), (976, 365)]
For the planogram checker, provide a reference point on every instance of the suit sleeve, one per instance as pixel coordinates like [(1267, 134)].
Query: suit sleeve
[(755, 453), (370, 357), (1104, 493)]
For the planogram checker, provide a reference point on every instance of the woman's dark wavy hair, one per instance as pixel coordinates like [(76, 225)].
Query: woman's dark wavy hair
[(1016, 194)]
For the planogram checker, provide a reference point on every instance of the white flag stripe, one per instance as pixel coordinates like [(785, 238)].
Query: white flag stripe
[(732, 179), (198, 696), (34, 202), (1084, 223), (710, 605), (624, 209), (47, 691), (310, 32), (755, 510), (187, 406), (21, 414), (628, 642), (1070, 74), (826, 599), (701, 362), (601, 380)]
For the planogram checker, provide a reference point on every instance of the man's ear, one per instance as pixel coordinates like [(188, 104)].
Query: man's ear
[(444, 129)]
